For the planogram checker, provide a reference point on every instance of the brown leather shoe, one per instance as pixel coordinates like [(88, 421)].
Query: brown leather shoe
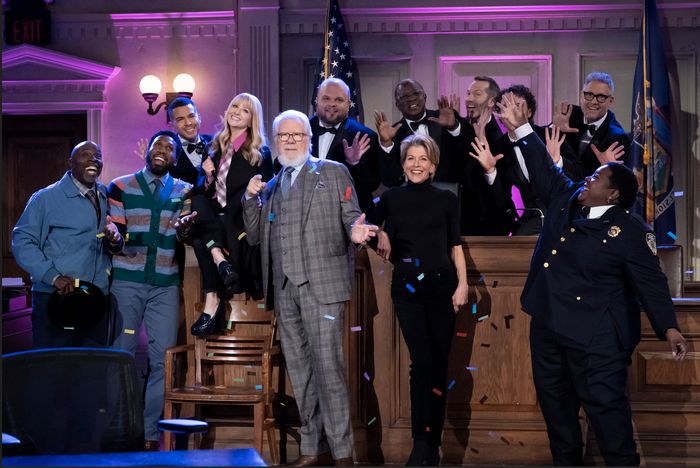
[(323, 459), (151, 446), (344, 462)]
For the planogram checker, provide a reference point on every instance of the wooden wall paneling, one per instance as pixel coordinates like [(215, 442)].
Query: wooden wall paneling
[(535, 72)]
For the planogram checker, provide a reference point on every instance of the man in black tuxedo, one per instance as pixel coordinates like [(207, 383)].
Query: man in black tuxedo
[(185, 122), (591, 129), (337, 137), (593, 265), (508, 168)]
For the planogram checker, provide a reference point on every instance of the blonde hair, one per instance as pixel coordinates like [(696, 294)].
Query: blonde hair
[(256, 138), (425, 142)]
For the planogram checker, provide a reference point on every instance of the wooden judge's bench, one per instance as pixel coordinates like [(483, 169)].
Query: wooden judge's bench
[(492, 413)]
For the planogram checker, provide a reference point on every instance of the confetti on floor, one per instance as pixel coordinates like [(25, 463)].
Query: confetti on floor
[(495, 283), (475, 450), (437, 392), (451, 385), (410, 288), (521, 444), (508, 318), (494, 326), (485, 345), (329, 317), (483, 399), (505, 440)]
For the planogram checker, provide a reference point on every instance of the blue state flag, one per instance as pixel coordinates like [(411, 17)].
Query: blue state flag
[(335, 60), (651, 158)]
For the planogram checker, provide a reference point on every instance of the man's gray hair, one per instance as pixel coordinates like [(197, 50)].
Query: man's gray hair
[(292, 115), (601, 78)]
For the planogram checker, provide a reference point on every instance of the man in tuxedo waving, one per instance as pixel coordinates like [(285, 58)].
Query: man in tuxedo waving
[(339, 138)]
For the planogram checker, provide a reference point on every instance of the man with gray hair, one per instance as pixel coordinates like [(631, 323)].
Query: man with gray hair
[(592, 129), (306, 219)]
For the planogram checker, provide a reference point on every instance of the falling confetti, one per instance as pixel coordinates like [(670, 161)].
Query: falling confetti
[(471, 368), (272, 216), (241, 236), (494, 326), (355, 328), (450, 387), (101, 234), (329, 317), (483, 399), (672, 235), (436, 391), (463, 335), (348, 191), (410, 288), (474, 308), (211, 242), (421, 276), (366, 376), (373, 419), (482, 318), (376, 200)]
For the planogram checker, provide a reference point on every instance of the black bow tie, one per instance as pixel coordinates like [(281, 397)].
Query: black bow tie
[(199, 147), (415, 125), (591, 128), (322, 130), (585, 211)]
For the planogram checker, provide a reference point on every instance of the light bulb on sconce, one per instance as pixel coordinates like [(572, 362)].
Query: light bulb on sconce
[(150, 89)]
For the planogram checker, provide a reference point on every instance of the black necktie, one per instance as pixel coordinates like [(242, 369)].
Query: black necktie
[(415, 125), (287, 180), (156, 190), (323, 130), (90, 195)]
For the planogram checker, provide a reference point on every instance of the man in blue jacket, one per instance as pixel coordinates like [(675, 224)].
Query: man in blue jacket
[(593, 264), (65, 235)]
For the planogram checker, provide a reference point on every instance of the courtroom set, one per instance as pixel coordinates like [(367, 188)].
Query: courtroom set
[(350, 233)]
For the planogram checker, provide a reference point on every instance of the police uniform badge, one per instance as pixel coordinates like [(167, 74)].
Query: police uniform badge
[(614, 231), (651, 242)]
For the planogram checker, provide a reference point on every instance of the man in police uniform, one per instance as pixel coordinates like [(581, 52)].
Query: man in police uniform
[(587, 277)]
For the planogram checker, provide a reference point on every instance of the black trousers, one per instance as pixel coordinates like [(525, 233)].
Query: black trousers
[(427, 321), (568, 375), (210, 232)]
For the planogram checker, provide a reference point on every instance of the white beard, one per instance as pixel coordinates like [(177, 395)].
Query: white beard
[(293, 160)]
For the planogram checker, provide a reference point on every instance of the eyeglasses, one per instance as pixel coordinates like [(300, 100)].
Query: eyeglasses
[(410, 97), (599, 97), (297, 136)]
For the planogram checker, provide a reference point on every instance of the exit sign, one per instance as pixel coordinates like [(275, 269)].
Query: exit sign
[(27, 27)]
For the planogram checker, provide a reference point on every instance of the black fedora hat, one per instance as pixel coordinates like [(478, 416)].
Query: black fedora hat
[(80, 309)]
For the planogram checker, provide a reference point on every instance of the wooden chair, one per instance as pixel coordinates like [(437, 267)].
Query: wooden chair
[(249, 341)]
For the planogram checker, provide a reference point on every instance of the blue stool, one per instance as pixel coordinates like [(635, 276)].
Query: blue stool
[(182, 428)]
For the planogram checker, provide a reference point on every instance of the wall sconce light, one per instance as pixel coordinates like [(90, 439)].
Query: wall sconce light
[(150, 89)]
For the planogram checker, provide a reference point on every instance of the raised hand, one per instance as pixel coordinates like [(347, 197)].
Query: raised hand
[(562, 116), (480, 125), (255, 186), (612, 154), (484, 156), (359, 147), (512, 113), (141, 148), (384, 129), (447, 111), (111, 232), (361, 232), (554, 141)]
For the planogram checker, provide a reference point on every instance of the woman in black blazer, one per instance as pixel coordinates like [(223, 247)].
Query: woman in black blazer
[(228, 264)]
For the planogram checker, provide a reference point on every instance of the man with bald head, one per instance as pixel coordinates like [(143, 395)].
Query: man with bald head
[(58, 240), (339, 138)]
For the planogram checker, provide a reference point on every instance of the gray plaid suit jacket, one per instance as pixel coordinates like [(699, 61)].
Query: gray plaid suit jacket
[(327, 219)]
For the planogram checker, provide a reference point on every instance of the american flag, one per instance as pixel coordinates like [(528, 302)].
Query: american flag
[(335, 60)]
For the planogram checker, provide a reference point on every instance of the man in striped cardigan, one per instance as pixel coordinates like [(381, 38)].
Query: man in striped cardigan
[(152, 213)]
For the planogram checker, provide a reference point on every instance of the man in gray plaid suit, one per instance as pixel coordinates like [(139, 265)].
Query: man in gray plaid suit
[(306, 219)]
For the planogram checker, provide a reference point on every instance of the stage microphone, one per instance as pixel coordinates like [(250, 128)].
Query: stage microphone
[(511, 210)]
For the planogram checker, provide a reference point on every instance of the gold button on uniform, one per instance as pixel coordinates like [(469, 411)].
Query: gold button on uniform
[(578, 298), (572, 229), (562, 239), (554, 252), (546, 265), (605, 241)]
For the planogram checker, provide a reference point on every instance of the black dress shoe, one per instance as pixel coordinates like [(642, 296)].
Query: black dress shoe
[(205, 324), (227, 273)]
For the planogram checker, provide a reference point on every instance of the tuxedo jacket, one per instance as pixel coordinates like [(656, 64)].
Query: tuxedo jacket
[(364, 173), (184, 170), (608, 133), (327, 218), (584, 268), (509, 174)]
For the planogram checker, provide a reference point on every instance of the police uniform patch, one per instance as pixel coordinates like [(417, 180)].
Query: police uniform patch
[(614, 231), (651, 242)]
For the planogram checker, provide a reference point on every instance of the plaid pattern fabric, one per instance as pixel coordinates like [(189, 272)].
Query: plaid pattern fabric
[(285, 236), (222, 175)]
